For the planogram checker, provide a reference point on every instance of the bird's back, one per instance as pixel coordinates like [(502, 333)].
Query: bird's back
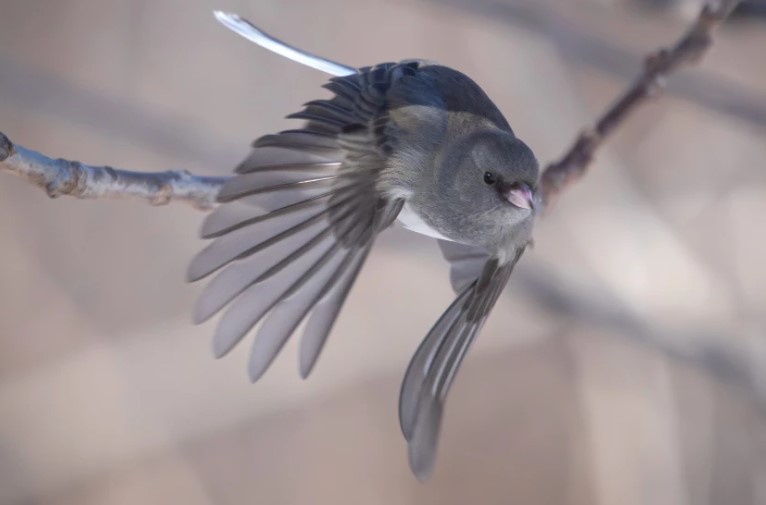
[(461, 94)]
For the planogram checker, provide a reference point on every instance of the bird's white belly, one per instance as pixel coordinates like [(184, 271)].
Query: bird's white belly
[(413, 222)]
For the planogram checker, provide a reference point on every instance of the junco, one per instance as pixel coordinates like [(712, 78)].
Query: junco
[(413, 142)]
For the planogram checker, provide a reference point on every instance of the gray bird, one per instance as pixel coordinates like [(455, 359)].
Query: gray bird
[(413, 142)]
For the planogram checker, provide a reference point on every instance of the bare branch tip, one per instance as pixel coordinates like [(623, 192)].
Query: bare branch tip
[(6, 147)]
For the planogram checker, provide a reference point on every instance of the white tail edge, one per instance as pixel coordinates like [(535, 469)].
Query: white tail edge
[(252, 33)]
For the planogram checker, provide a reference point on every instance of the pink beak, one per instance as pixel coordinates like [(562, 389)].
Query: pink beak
[(521, 196)]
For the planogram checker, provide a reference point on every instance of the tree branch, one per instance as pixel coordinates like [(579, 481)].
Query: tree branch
[(72, 178), (62, 177), (649, 83)]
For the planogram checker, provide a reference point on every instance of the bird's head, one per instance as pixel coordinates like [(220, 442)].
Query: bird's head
[(489, 180)]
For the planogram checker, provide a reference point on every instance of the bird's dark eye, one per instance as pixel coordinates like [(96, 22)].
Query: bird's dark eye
[(489, 178)]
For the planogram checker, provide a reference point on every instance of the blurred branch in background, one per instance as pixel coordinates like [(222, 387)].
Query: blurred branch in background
[(697, 347), (156, 129), (747, 8)]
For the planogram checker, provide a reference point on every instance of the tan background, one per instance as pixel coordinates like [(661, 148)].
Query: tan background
[(625, 365)]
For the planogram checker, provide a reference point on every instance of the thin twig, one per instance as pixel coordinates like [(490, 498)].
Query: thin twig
[(650, 83), (72, 178), (702, 348)]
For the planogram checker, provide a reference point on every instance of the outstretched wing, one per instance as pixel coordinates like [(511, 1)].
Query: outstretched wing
[(297, 223), (435, 363)]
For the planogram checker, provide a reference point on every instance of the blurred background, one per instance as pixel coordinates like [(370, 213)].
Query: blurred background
[(625, 364)]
